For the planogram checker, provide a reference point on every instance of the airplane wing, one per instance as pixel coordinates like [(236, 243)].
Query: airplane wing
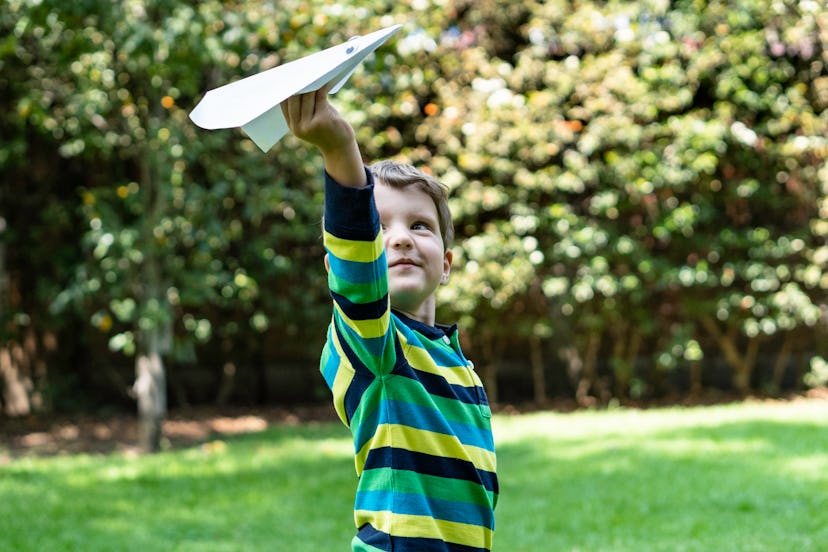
[(252, 103)]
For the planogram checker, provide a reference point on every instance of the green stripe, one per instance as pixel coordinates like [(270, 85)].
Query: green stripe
[(371, 401), (358, 293), (358, 546), (412, 391), (441, 488), (351, 341)]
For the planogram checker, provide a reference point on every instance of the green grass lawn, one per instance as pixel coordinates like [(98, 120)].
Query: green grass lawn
[(747, 477)]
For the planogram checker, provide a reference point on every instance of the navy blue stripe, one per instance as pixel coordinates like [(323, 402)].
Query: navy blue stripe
[(435, 384), (356, 363), (414, 544), (344, 206), (361, 311), (431, 332), (353, 396), (383, 541), (428, 464), (373, 537)]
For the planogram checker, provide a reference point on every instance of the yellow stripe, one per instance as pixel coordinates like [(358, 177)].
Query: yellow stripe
[(366, 329), (351, 250), (421, 360), (344, 376), (428, 442), (406, 525)]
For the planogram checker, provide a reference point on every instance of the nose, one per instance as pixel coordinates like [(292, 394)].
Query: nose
[(397, 238)]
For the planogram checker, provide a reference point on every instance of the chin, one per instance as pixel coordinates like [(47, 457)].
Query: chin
[(404, 298)]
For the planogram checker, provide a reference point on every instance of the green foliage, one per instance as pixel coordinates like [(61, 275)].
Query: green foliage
[(818, 374), (640, 184), (182, 222), (665, 160)]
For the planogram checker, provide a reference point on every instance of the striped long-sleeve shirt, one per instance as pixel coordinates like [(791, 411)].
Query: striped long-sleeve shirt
[(417, 410)]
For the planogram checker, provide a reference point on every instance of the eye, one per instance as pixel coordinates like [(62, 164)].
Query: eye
[(420, 225)]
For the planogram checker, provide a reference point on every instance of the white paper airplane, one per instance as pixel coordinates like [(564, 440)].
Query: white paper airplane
[(253, 102)]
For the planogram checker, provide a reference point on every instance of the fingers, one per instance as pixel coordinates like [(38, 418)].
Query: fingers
[(311, 118), (322, 93), (292, 110), (285, 110), (299, 110), (308, 106)]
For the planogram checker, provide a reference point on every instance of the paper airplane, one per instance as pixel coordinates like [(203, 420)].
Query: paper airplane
[(252, 103)]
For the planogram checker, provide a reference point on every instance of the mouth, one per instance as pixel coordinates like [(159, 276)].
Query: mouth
[(402, 263)]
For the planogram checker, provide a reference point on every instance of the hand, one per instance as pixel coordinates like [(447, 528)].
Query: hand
[(311, 118)]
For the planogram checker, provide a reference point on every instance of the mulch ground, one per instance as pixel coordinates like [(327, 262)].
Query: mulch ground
[(59, 435)]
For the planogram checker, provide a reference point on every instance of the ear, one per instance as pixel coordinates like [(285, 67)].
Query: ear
[(327, 263), (447, 258)]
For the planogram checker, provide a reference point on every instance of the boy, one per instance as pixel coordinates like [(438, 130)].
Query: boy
[(417, 411)]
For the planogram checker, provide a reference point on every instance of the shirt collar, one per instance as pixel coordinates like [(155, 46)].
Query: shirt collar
[(437, 331)]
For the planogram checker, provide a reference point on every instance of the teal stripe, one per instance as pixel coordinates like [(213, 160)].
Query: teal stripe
[(370, 350), (329, 363), (429, 418), (421, 505), (354, 271)]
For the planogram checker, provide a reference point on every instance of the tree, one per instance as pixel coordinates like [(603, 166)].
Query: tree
[(662, 157), (637, 187), (169, 214)]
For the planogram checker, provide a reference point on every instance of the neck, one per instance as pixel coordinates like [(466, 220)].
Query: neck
[(425, 312)]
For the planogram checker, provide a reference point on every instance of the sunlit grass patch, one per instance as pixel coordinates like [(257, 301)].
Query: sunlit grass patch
[(743, 477), (716, 478), (249, 493)]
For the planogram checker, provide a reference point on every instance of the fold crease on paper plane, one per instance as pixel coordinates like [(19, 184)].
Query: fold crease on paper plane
[(252, 103)]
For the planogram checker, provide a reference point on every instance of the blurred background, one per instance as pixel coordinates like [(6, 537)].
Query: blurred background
[(640, 192)]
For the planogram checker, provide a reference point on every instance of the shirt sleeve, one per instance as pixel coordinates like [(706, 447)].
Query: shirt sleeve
[(358, 277)]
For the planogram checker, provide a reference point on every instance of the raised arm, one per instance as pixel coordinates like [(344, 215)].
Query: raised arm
[(313, 119), (359, 336)]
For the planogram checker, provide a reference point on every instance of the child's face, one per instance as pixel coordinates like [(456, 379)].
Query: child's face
[(417, 263)]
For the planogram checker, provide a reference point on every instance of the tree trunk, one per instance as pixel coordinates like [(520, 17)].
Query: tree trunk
[(624, 355), (13, 380), (696, 385), (781, 363), (749, 364), (589, 376), (620, 369), (155, 340), (228, 382), (538, 374), (742, 365), (632, 354), (574, 364), (151, 393), (16, 385)]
